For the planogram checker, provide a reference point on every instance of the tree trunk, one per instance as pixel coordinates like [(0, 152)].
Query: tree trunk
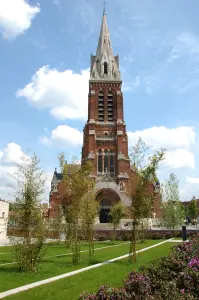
[(132, 252), (114, 232)]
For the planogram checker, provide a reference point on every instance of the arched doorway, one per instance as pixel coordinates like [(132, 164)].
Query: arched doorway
[(106, 198)]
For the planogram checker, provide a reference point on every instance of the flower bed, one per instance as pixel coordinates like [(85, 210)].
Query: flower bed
[(125, 235), (173, 277)]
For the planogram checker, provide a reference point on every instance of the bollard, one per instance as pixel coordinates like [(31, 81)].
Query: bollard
[(184, 233)]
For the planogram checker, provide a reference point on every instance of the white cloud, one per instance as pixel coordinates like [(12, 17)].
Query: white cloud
[(16, 17), (12, 155), (1, 154), (131, 86), (163, 137), (180, 158), (190, 41), (45, 140), (64, 93), (194, 180), (64, 134), (177, 142), (189, 189)]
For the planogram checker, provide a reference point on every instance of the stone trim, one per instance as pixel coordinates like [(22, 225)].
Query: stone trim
[(91, 121), (91, 131), (120, 132)]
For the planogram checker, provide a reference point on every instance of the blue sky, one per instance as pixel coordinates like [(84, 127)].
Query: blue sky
[(45, 52)]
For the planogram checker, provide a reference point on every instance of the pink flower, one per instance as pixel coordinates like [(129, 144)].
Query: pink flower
[(182, 291)]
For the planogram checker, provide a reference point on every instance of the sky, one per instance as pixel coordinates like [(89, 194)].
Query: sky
[(45, 49)]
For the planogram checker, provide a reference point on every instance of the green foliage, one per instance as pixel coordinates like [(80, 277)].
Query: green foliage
[(117, 212), (145, 167), (193, 209), (76, 186), (89, 208), (28, 190), (56, 225), (173, 211)]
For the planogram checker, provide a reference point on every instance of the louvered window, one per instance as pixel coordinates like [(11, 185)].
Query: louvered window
[(101, 107), (110, 107), (105, 68)]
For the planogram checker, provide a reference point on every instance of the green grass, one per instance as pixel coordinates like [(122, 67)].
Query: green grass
[(51, 250), (49, 267), (112, 275)]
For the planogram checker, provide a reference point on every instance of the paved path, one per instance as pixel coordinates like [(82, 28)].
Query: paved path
[(4, 241), (52, 279)]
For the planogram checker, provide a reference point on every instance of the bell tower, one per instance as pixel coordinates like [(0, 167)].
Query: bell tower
[(105, 140)]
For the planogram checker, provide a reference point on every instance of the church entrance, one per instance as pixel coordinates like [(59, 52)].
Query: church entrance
[(104, 215), (107, 198)]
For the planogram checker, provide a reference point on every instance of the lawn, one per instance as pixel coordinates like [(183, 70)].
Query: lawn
[(51, 250), (52, 266), (112, 275)]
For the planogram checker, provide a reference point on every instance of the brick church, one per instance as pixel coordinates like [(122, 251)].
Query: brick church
[(105, 141)]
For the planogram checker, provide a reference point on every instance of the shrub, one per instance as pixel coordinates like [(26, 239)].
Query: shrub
[(175, 277), (138, 285), (107, 293)]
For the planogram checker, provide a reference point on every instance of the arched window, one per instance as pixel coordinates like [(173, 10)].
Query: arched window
[(106, 167), (110, 107), (105, 68), (99, 163), (106, 162), (112, 164), (101, 107)]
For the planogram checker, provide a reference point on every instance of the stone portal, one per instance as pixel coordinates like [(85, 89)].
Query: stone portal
[(106, 198)]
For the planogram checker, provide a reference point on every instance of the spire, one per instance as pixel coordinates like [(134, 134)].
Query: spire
[(104, 65), (104, 10), (104, 43)]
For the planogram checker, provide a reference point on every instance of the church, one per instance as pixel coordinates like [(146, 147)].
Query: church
[(105, 141)]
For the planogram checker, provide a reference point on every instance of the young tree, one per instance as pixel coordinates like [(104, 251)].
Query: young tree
[(117, 212), (142, 196), (56, 225), (75, 187), (28, 190), (173, 211), (89, 209), (193, 209)]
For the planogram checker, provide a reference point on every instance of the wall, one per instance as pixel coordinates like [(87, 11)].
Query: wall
[(4, 209)]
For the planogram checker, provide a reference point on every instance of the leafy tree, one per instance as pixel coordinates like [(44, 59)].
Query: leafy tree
[(56, 225), (28, 190), (141, 190), (117, 212), (193, 209), (89, 208), (75, 188), (173, 211)]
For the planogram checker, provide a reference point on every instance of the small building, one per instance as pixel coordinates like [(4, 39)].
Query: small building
[(4, 209)]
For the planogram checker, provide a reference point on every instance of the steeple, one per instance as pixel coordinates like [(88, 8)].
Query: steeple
[(104, 65)]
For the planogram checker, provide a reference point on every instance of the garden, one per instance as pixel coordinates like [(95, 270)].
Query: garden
[(57, 261), (175, 276)]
